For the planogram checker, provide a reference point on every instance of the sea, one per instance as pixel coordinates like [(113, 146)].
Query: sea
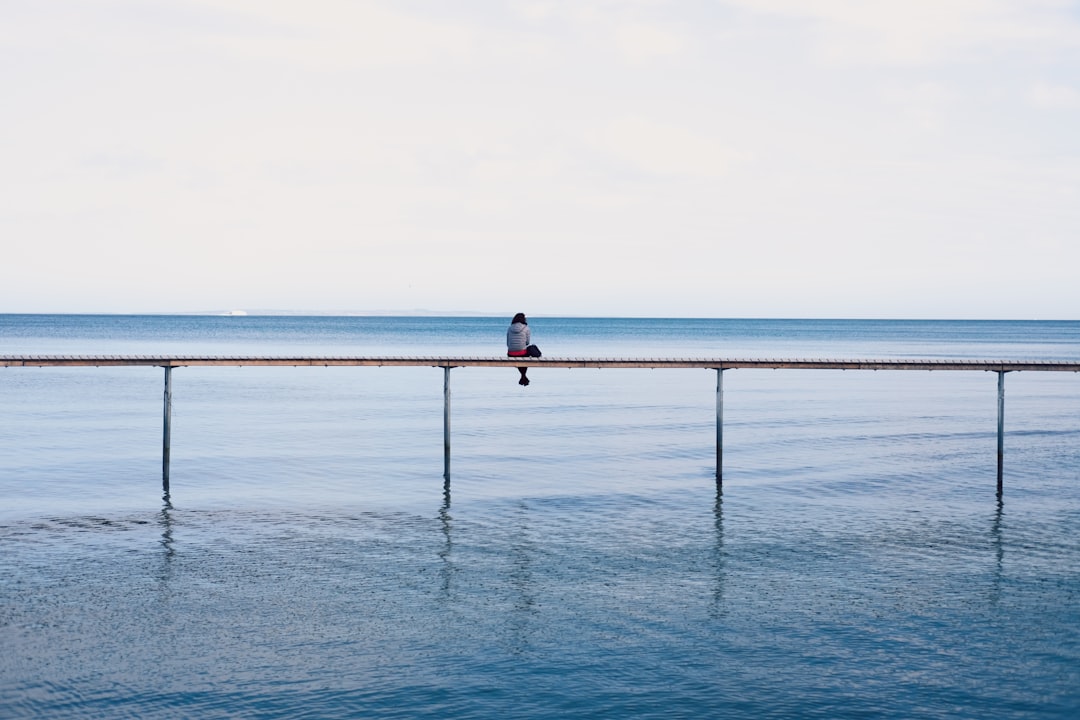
[(310, 559)]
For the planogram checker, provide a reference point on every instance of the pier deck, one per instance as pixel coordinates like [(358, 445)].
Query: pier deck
[(552, 362)]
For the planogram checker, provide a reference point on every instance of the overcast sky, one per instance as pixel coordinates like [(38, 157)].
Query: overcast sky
[(723, 158)]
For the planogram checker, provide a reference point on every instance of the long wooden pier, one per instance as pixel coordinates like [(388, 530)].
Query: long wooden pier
[(1001, 367)]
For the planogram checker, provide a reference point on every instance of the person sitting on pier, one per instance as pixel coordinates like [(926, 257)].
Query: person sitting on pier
[(518, 341)]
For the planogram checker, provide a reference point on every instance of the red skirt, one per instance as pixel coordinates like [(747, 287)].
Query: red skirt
[(517, 353)]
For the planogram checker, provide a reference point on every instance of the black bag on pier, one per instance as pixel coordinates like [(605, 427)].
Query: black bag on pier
[(532, 351)]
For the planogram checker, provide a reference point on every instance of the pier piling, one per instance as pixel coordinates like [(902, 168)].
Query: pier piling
[(719, 427), (446, 423), (166, 432), (1000, 431)]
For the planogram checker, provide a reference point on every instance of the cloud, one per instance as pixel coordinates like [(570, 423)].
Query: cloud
[(666, 150), (1054, 97), (633, 31), (645, 42), (925, 106), (334, 34), (923, 31)]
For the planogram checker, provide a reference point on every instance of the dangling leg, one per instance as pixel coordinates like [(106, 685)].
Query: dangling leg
[(524, 380)]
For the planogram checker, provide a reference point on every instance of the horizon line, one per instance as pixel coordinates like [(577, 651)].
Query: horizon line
[(422, 312)]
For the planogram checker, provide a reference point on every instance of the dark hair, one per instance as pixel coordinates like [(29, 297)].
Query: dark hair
[(519, 318)]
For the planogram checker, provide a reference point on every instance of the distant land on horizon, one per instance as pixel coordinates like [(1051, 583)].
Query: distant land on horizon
[(423, 312), (416, 312)]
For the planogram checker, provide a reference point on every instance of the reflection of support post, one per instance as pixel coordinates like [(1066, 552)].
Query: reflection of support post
[(719, 426), (717, 608), (1001, 430), (166, 440), (165, 574), (999, 552), (166, 531), (446, 553), (446, 423)]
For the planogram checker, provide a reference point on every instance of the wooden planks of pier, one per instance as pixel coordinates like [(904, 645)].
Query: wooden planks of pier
[(454, 362)]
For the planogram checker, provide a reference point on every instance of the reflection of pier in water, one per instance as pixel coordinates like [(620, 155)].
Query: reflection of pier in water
[(448, 363)]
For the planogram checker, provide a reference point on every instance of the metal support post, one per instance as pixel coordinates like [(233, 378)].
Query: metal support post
[(719, 426), (446, 424), (1000, 430), (166, 440)]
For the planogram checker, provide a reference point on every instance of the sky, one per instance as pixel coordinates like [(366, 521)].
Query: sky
[(641, 158)]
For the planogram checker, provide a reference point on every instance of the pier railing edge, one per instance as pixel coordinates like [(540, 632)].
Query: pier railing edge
[(555, 362)]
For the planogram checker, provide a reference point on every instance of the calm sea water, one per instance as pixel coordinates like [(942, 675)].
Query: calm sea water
[(310, 562)]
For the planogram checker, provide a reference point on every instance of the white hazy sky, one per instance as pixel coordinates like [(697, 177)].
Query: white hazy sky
[(722, 158)]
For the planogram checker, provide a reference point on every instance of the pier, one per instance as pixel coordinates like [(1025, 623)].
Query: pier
[(719, 365)]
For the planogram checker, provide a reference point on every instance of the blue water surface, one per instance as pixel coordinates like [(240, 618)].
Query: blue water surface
[(311, 561)]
